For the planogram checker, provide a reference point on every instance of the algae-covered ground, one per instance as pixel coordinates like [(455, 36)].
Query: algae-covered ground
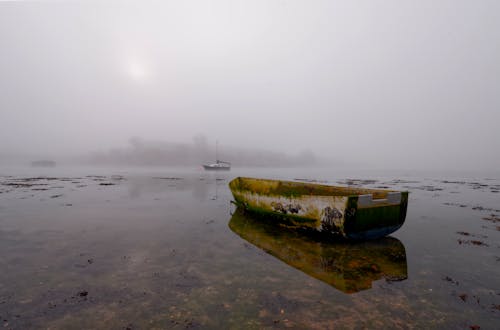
[(89, 248)]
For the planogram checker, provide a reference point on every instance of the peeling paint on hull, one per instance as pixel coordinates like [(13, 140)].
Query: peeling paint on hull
[(354, 213)]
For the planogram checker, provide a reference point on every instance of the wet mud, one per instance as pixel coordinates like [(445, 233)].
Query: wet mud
[(135, 251)]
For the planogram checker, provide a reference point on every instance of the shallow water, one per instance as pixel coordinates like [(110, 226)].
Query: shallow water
[(153, 248)]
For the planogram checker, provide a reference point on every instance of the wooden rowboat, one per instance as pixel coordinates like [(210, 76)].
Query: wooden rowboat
[(348, 267), (354, 213)]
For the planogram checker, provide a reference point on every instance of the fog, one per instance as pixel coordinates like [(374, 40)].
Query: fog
[(387, 84)]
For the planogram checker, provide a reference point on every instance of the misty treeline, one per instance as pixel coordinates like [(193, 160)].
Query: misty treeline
[(199, 151)]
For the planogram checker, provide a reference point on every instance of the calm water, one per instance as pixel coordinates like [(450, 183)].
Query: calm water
[(164, 248)]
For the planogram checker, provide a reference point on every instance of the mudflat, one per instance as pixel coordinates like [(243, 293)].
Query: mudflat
[(153, 248)]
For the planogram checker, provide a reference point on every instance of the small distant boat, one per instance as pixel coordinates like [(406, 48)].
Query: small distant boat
[(219, 165), (353, 213)]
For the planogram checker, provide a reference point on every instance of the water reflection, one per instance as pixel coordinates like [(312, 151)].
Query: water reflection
[(202, 187), (349, 267)]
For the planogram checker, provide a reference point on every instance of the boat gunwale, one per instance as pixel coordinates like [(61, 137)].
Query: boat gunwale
[(314, 186)]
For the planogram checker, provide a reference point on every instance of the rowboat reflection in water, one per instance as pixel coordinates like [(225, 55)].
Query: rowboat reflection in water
[(347, 266)]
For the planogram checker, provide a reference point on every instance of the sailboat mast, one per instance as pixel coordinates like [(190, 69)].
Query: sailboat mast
[(216, 154)]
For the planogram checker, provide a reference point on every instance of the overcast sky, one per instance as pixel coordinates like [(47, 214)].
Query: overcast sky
[(389, 83)]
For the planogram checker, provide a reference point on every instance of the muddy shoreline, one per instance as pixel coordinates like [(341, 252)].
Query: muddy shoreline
[(154, 250)]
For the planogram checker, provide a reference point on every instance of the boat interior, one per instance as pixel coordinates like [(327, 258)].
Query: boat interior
[(292, 188)]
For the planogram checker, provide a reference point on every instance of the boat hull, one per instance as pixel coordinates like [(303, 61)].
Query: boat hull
[(216, 168), (353, 213)]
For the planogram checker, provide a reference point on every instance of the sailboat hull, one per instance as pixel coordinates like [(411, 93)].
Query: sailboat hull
[(216, 167)]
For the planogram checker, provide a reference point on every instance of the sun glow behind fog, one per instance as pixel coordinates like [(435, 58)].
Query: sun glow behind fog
[(137, 70)]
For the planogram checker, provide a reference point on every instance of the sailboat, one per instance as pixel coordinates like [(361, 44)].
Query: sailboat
[(219, 165)]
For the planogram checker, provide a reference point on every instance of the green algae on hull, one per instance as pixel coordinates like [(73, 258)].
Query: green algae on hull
[(354, 213)]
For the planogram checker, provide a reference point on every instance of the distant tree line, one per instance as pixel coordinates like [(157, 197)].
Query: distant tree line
[(151, 153)]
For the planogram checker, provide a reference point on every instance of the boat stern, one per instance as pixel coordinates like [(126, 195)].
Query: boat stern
[(367, 218)]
